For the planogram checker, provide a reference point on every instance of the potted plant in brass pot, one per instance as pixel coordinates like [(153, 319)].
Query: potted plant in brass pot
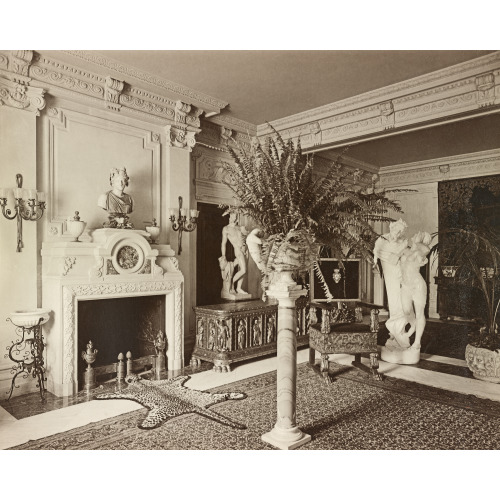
[(474, 254), (298, 211)]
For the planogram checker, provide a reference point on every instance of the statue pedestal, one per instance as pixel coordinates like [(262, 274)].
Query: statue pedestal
[(400, 356), (286, 435), (236, 297)]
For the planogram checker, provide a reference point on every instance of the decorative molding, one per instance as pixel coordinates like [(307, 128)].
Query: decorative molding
[(69, 262), (181, 111), (315, 131), (112, 93), (225, 135), (4, 61), (213, 103), (468, 88), (180, 138), (65, 80), (19, 63), (20, 96), (224, 120), (172, 264), (439, 169), (210, 167)]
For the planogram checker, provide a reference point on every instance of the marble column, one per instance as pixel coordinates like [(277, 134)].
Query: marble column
[(285, 435)]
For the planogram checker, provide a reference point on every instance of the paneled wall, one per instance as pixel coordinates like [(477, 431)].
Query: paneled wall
[(82, 149)]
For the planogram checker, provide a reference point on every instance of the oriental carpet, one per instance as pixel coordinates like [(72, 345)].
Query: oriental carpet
[(355, 412)]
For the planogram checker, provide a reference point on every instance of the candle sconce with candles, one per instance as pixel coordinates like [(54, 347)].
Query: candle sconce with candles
[(29, 205), (180, 223)]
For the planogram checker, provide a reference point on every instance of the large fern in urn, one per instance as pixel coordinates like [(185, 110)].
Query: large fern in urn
[(298, 211)]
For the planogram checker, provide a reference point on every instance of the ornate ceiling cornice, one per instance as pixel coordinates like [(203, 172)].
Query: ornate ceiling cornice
[(234, 123), (467, 89), (37, 72), (441, 169), (129, 71)]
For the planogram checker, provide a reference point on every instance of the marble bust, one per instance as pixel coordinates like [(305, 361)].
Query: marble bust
[(116, 202)]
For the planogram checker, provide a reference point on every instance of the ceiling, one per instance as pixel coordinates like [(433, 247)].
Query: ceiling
[(265, 85)]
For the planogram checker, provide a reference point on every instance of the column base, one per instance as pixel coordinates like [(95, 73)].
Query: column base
[(286, 439)]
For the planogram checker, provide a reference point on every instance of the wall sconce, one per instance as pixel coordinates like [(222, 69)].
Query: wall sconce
[(180, 223), (29, 205)]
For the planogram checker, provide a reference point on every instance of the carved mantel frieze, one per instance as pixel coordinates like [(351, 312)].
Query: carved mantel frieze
[(20, 96)]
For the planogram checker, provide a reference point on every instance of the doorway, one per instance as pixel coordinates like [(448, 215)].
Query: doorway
[(208, 244)]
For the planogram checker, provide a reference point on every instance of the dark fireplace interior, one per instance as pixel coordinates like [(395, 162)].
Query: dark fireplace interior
[(119, 325)]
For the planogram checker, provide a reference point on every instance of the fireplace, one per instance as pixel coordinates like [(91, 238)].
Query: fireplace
[(82, 277), (117, 326)]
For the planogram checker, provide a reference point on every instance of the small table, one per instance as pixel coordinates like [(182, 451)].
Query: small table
[(343, 331)]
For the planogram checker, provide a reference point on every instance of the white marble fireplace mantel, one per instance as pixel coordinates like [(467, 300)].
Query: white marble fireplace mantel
[(116, 263)]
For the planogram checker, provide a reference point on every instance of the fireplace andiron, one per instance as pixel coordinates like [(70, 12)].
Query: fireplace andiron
[(159, 367), (89, 357)]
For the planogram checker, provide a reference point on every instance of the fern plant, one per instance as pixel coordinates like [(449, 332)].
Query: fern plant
[(276, 185)]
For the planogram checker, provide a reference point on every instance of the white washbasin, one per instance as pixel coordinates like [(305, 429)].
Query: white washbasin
[(27, 318)]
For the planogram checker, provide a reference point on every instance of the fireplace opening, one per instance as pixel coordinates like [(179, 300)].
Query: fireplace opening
[(116, 326)]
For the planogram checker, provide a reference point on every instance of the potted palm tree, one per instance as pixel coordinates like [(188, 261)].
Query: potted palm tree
[(298, 211), (470, 257)]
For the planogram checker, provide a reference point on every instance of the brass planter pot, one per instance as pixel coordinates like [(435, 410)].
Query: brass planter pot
[(483, 363)]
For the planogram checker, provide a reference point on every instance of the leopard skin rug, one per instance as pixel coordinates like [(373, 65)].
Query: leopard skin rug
[(166, 399)]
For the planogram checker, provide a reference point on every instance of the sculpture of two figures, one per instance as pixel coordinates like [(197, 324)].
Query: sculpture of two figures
[(116, 202), (233, 281), (406, 290)]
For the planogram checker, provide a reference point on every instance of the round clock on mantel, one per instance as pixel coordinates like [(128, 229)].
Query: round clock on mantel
[(128, 258)]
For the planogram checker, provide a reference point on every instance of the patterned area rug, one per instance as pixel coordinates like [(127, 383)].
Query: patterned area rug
[(353, 413)]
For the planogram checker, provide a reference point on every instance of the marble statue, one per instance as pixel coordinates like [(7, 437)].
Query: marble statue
[(406, 291), (235, 234), (413, 285), (389, 249), (116, 202)]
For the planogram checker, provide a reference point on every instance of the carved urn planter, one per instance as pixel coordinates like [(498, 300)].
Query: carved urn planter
[(483, 363)]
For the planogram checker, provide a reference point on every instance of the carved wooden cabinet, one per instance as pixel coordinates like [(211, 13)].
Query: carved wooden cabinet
[(232, 332)]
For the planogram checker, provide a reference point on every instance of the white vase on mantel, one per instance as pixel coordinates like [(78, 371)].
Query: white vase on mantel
[(153, 231), (75, 226)]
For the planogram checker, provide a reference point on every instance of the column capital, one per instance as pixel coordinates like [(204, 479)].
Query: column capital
[(180, 137), (20, 96)]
